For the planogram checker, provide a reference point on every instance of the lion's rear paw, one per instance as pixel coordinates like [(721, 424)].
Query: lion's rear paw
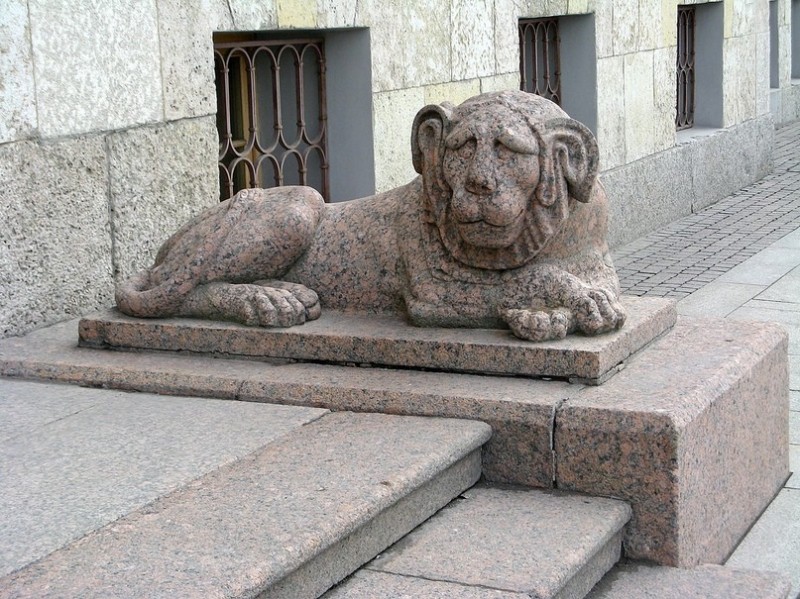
[(536, 325), (264, 303)]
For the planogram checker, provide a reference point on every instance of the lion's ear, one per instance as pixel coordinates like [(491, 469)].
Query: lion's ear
[(427, 145), (569, 162)]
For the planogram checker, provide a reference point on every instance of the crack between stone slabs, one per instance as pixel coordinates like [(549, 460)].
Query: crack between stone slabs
[(553, 424), (465, 585)]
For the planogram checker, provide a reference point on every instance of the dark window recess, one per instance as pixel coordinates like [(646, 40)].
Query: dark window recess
[(540, 71), (684, 117), (271, 113)]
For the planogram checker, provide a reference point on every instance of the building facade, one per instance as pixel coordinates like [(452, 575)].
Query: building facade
[(120, 119)]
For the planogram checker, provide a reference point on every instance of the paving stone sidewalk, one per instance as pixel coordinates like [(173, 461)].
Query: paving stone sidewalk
[(686, 255), (740, 258)]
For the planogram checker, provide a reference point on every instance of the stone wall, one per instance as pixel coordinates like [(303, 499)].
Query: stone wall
[(108, 141)]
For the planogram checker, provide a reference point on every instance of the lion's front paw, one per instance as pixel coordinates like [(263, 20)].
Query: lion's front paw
[(537, 325), (598, 311)]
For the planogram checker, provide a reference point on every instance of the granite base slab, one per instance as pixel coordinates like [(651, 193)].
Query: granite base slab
[(545, 544), (288, 520), (381, 340), (693, 433)]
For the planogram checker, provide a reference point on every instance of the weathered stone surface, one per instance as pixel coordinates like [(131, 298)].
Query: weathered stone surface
[(678, 431), (688, 426), (520, 411), (471, 45), (185, 31), (91, 73), (410, 44), (649, 193), (774, 541), (80, 459), (611, 115), (55, 246), (368, 584), (739, 78), (454, 92), (17, 109), (544, 544), (730, 159), (389, 341), (639, 105), (626, 24), (338, 13), (393, 110), (253, 15), (505, 227), (290, 519), (664, 100), (159, 177), (705, 582)]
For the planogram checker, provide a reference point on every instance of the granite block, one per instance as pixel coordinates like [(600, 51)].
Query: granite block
[(159, 177), (17, 103), (696, 422), (520, 411), (545, 544), (316, 500), (55, 241), (91, 73), (706, 582), (106, 453), (718, 387), (388, 341)]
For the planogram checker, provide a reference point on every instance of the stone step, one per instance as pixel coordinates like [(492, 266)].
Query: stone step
[(288, 519), (500, 542), (640, 581), (695, 420)]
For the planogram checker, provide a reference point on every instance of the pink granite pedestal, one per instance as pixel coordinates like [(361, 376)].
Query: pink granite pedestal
[(693, 432), (381, 340)]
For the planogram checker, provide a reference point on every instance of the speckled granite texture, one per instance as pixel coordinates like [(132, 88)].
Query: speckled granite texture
[(548, 545), (388, 341), (641, 581), (505, 226), (288, 520), (696, 421), (695, 438)]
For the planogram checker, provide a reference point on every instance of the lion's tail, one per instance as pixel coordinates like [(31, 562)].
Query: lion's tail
[(136, 297)]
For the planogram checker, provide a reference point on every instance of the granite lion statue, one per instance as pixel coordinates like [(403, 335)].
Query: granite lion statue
[(504, 227)]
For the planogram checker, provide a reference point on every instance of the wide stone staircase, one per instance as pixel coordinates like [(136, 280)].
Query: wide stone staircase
[(389, 481)]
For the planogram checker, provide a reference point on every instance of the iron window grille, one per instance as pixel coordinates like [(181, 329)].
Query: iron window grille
[(684, 114), (271, 113), (539, 66)]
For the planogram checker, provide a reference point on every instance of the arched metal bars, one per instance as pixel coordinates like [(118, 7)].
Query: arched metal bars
[(685, 87), (258, 83), (540, 68)]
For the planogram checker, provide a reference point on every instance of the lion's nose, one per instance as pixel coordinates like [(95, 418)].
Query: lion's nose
[(480, 180)]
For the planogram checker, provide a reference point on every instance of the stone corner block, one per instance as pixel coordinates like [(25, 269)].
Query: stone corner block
[(696, 423)]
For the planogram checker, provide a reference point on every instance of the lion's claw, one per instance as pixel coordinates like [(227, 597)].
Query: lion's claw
[(536, 325), (598, 311)]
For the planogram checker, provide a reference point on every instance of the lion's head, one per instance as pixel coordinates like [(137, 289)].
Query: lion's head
[(500, 173)]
